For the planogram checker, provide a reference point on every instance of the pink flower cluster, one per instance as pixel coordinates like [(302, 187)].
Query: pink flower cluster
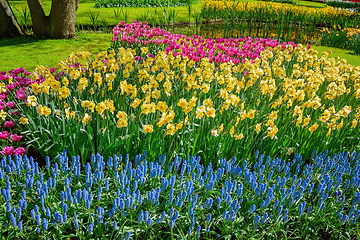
[(19, 82), (10, 150), (195, 47)]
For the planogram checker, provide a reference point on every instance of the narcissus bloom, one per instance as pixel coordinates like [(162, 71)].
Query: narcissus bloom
[(239, 136), (64, 92), (313, 127), (100, 108), (44, 110), (3, 115), (31, 101), (148, 128), (122, 122), (86, 119), (24, 120), (258, 127), (88, 104), (272, 131)]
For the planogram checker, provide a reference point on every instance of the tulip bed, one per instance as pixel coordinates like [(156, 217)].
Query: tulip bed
[(210, 105)]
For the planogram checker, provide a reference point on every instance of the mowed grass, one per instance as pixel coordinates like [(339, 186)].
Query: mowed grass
[(28, 52), (108, 15)]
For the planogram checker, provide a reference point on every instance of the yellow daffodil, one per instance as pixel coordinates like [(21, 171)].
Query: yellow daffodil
[(31, 101), (23, 120), (313, 127), (44, 110), (148, 128), (86, 119), (271, 131), (3, 115)]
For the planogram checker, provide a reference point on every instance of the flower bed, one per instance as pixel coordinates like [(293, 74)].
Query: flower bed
[(219, 50), (281, 13), (177, 198), (348, 38), (162, 96)]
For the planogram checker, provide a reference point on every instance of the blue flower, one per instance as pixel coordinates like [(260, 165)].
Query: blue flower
[(13, 220), (20, 225), (127, 237), (107, 184), (263, 220), (256, 221), (198, 229), (76, 222), (208, 219), (146, 216), (208, 203), (45, 224), (38, 219), (90, 227), (345, 219), (172, 223), (8, 207), (252, 209), (162, 216), (309, 210), (190, 231), (18, 213), (23, 194), (171, 212), (114, 225), (141, 216)]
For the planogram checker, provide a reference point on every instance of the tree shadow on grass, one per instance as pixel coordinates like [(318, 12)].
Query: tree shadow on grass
[(17, 41)]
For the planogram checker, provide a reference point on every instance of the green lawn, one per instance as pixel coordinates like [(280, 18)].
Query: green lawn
[(28, 52), (108, 15)]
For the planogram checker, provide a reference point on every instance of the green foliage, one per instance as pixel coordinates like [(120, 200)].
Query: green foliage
[(284, 1), (142, 3), (343, 4), (341, 38)]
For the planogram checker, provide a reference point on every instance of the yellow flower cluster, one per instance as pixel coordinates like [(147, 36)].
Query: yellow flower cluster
[(265, 32), (167, 94), (277, 9), (349, 31)]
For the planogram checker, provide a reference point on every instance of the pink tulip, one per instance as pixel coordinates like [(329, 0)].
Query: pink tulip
[(4, 135), (15, 137), (10, 104), (19, 151), (9, 124), (7, 151)]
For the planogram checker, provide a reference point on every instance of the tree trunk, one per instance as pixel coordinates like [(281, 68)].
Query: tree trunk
[(41, 25), (59, 24), (62, 18), (9, 27)]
